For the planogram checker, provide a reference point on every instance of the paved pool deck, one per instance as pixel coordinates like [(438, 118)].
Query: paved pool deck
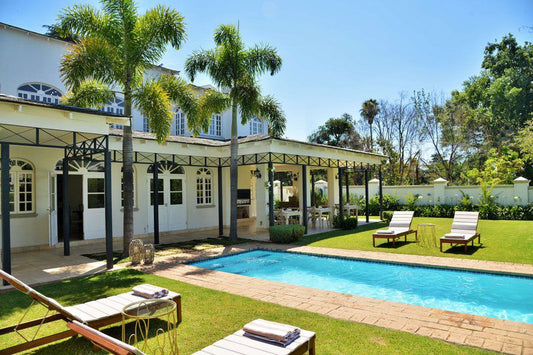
[(459, 328)]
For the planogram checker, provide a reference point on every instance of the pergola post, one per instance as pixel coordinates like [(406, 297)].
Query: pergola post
[(341, 205), (270, 194), (66, 208), (367, 211), (304, 196), (380, 195), (155, 179), (220, 207), (108, 211), (313, 197), (347, 188), (6, 218)]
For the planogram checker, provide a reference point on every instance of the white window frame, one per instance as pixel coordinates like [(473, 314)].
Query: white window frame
[(146, 126), (204, 187), (115, 106), (215, 129), (256, 126), (180, 124), (15, 173), (41, 92)]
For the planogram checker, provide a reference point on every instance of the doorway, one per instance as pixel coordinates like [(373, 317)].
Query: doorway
[(75, 184)]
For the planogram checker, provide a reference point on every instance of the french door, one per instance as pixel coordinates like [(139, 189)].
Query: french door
[(172, 208)]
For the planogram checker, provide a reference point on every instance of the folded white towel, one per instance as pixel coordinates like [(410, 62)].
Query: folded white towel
[(150, 291), (388, 231)]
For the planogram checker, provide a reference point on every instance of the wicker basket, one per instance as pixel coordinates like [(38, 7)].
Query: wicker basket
[(136, 251)]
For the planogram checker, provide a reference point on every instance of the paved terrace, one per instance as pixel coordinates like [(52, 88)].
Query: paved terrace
[(464, 329)]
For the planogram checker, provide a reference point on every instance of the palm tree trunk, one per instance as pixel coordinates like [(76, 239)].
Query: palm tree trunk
[(371, 140), (127, 175), (233, 173)]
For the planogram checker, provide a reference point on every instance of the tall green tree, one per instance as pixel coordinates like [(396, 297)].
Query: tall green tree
[(234, 69), (339, 132), (369, 111), (114, 46)]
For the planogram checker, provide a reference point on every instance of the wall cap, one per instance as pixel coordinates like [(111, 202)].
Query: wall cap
[(440, 180), (374, 181), (521, 180)]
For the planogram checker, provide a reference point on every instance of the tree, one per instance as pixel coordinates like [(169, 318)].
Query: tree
[(500, 98), (234, 69), (524, 141), (339, 132), (114, 48), (369, 110), (501, 167)]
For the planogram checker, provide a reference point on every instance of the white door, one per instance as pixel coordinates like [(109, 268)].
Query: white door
[(171, 192), (93, 205), (52, 209)]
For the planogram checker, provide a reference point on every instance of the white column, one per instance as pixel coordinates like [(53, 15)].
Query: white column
[(373, 187), (261, 197), (333, 187), (521, 191), (439, 191)]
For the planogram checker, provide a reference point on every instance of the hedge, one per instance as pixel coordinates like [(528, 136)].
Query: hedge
[(486, 211), (345, 222), (287, 233)]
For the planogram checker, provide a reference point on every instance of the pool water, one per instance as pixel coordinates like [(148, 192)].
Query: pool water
[(485, 294)]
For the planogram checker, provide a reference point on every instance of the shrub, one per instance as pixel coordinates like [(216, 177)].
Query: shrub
[(390, 203), (486, 211), (345, 222), (387, 216), (285, 234)]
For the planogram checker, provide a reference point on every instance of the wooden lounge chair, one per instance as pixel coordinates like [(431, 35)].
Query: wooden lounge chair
[(102, 340), (237, 343), (464, 230), (95, 314), (399, 226)]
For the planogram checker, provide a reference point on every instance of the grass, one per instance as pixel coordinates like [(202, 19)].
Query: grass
[(510, 241), (210, 315), (175, 248)]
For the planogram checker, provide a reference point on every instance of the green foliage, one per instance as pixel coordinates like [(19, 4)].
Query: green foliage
[(524, 141), (338, 132), (466, 203), (387, 216), (390, 203), (346, 222), (488, 210), (501, 167), (411, 200), (320, 199), (287, 233)]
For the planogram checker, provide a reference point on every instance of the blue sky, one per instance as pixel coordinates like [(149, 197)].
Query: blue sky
[(336, 54)]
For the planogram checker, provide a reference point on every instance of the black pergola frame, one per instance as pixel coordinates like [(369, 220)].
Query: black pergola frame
[(74, 145)]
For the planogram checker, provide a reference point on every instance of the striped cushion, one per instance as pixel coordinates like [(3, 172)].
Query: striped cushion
[(401, 219), (465, 222)]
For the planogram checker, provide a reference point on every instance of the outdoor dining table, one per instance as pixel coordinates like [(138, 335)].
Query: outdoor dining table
[(347, 209), (321, 212), (288, 213)]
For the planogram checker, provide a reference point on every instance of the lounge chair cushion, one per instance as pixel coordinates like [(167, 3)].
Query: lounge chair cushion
[(401, 219), (455, 235), (392, 231), (106, 307)]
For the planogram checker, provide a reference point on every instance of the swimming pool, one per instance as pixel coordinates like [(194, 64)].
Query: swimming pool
[(485, 294)]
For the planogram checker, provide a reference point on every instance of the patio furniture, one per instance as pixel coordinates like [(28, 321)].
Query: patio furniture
[(464, 230), (238, 343), (152, 316), (102, 340), (288, 213), (399, 226), (95, 314)]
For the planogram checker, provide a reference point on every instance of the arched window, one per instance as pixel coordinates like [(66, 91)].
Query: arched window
[(166, 167), (81, 165), (256, 126), (21, 186), (204, 194), (39, 92), (95, 184), (116, 106)]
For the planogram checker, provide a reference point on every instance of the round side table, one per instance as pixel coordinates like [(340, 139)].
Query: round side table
[(427, 237), (158, 314)]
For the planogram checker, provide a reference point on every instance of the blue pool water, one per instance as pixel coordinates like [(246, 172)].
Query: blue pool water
[(490, 295)]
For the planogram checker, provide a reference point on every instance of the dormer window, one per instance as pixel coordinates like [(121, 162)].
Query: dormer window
[(39, 92), (215, 129), (256, 126)]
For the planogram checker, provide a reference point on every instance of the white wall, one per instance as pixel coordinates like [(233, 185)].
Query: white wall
[(504, 194)]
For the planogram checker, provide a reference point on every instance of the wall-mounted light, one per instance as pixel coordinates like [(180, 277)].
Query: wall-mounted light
[(255, 173)]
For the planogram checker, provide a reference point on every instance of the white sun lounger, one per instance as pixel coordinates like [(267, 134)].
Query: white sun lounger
[(464, 230), (399, 226)]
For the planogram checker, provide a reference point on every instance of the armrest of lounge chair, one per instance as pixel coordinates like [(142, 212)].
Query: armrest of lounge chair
[(102, 340)]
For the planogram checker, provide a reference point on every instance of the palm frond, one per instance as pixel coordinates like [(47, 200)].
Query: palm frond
[(263, 58), (270, 111), (228, 35), (155, 29), (81, 21), (125, 11), (89, 93), (155, 105), (247, 94), (210, 102), (200, 61), (90, 58)]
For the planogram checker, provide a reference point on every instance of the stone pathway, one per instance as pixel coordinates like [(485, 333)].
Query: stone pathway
[(477, 331)]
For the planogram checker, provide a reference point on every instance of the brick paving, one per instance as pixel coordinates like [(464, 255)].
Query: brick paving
[(464, 329)]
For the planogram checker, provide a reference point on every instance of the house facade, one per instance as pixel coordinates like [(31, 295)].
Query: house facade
[(61, 165)]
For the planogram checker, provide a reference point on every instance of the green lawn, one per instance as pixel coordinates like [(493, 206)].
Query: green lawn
[(210, 315), (510, 241)]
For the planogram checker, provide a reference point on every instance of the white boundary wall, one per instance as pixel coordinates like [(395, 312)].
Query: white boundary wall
[(519, 193)]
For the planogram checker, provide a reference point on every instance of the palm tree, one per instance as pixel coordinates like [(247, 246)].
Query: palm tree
[(113, 49), (369, 111), (234, 69)]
